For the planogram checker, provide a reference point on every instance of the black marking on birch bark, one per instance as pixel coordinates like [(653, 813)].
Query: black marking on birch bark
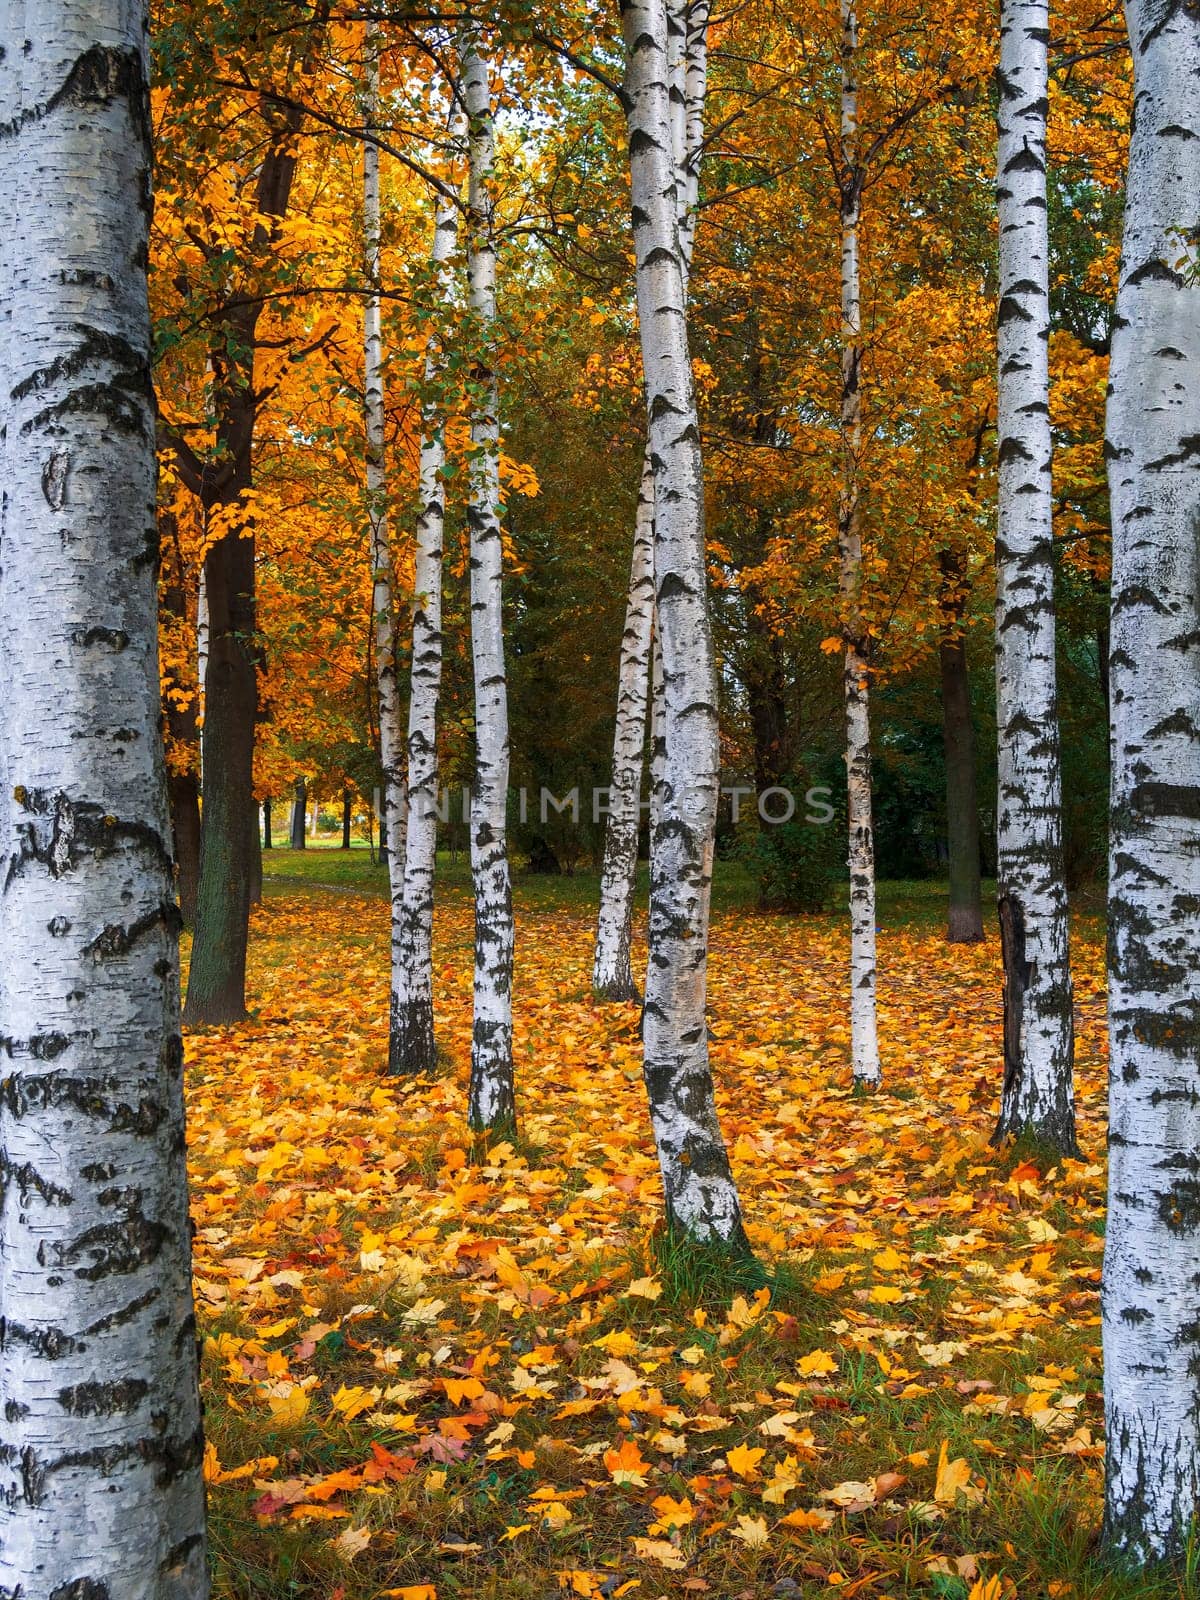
[(1175, 1031), (115, 1248), (29, 1181), (105, 400), (97, 348), (1165, 800), (82, 1589), (178, 1554), (50, 1344), (1189, 450), (63, 833), (115, 638), (117, 1398), (22, 1093), (1154, 271), (1179, 1207), (1012, 449), (54, 479), (118, 939)]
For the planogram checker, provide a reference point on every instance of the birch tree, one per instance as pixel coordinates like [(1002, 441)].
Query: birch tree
[(612, 972), (492, 1101), (612, 969), (383, 595), (413, 1047), (701, 1198), (1152, 1253), (1038, 1094), (856, 667), (100, 1460)]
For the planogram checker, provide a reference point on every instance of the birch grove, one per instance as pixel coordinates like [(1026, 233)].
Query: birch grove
[(1038, 1089), (856, 669), (1152, 1250), (100, 1459), (413, 1047), (701, 1198), (492, 1102)]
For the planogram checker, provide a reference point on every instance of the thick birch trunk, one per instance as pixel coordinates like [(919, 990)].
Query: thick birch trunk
[(492, 1105), (414, 1046), (864, 1039), (1038, 1093), (701, 1199), (612, 971), (383, 592), (1152, 1254), (101, 1451)]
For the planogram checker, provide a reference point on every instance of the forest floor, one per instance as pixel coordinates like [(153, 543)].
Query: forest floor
[(427, 1376)]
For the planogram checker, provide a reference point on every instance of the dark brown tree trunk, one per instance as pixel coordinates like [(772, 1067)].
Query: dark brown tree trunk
[(299, 838), (185, 828), (347, 806), (268, 842), (229, 837), (965, 924)]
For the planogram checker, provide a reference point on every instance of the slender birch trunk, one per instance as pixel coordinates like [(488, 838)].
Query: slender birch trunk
[(1152, 1252), (492, 1101), (612, 974), (1038, 1093), (856, 673), (383, 590), (701, 1198), (414, 1046), (612, 970), (101, 1490)]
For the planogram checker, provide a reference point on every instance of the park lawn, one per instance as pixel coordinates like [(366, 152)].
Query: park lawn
[(435, 1371)]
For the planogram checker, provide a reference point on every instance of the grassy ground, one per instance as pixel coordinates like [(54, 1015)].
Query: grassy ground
[(428, 1375)]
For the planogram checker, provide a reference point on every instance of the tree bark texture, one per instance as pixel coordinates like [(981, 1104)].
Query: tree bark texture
[(1152, 1252), (1038, 1090), (101, 1490)]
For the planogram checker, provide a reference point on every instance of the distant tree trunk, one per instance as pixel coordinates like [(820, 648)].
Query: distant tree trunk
[(299, 815), (217, 972), (701, 1198), (347, 816), (492, 1102), (383, 854), (268, 841), (856, 676), (414, 1048), (256, 865), (612, 970), (183, 772), (1038, 1095), (1152, 1247), (958, 738), (101, 1490)]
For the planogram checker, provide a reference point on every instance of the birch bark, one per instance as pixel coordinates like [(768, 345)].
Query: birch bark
[(612, 970), (701, 1198), (100, 1460), (1038, 1093), (492, 1101), (856, 671), (413, 1045), (1152, 1253), (383, 588)]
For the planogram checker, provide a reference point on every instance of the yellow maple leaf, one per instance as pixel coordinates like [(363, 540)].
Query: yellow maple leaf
[(662, 1551), (625, 1464), (743, 1460), (752, 1531), (816, 1363), (954, 1479)]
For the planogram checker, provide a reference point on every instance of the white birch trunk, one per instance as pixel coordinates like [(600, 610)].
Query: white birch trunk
[(383, 593), (864, 1037), (100, 1458), (612, 974), (413, 1045), (492, 1102), (701, 1199), (1038, 1093), (658, 729), (612, 970), (1152, 1254)]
